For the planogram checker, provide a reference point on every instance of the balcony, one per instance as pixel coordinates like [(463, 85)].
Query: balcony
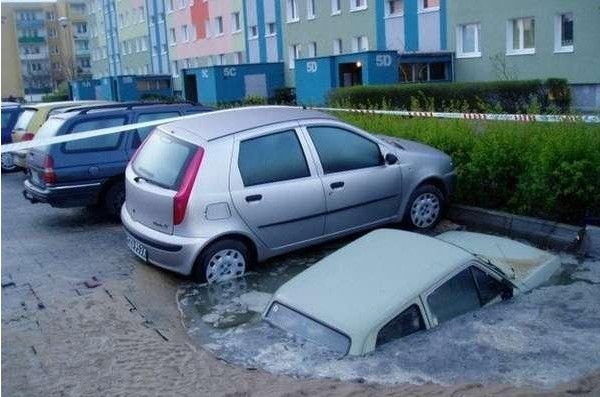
[(29, 23), (32, 40), (34, 57), (82, 52)]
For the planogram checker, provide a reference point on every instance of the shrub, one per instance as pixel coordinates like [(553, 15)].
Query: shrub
[(550, 170), (499, 96)]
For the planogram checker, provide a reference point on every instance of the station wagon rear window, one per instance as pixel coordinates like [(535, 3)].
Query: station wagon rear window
[(163, 160), (24, 119), (298, 324)]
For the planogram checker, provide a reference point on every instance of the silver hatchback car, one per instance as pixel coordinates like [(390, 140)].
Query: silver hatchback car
[(211, 195)]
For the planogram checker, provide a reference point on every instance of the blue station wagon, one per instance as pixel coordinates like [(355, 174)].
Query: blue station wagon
[(10, 114), (90, 172)]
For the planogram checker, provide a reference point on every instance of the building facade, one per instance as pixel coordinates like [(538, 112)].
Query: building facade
[(519, 39)]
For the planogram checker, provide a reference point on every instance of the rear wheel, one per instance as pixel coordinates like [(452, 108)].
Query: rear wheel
[(425, 208), (8, 164), (222, 261), (114, 197)]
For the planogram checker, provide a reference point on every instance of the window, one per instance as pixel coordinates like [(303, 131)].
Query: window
[(272, 158), (563, 33), (50, 16), (271, 29), (218, 26), (170, 7), (172, 36), (455, 297), (342, 150), (292, 11), (489, 288), (394, 7), (236, 24), (404, 324), (310, 9), (358, 5), (312, 49), (293, 54), (175, 68), (520, 36), (103, 142), (185, 34), (360, 43), (337, 46), (253, 31), (142, 133), (238, 57), (182, 4), (141, 17), (467, 40), (429, 5), (336, 7)]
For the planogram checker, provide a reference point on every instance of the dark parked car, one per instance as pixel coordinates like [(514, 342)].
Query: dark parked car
[(90, 172), (10, 114)]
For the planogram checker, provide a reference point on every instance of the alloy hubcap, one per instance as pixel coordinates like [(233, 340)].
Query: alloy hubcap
[(425, 210), (7, 162), (225, 265)]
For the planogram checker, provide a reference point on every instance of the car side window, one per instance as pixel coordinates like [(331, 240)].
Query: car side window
[(272, 158), (489, 288), (142, 133), (103, 142), (343, 150), (455, 297), (404, 324)]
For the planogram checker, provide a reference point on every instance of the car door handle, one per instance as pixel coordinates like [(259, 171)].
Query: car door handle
[(337, 185), (254, 197)]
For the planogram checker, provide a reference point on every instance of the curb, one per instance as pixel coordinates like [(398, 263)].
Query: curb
[(546, 234)]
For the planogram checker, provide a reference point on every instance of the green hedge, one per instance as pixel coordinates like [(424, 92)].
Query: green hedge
[(528, 96), (548, 170)]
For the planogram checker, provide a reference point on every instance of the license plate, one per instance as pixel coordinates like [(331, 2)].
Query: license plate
[(137, 248)]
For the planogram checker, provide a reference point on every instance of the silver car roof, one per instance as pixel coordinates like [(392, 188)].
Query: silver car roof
[(214, 125)]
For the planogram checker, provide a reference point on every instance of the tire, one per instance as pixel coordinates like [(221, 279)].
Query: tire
[(221, 261), (425, 208), (8, 165), (113, 199)]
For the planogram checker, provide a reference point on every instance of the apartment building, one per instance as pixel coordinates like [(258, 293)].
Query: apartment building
[(523, 39), (43, 45)]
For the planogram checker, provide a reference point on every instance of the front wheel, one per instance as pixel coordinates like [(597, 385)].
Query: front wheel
[(222, 261), (8, 164), (425, 208)]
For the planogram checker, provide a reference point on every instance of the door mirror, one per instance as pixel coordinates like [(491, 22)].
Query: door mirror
[(391, 159)]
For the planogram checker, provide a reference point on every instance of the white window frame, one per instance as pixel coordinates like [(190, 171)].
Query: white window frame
[(337, 46), (459, 41), (354, 7), (358, 43), (310, 9), (388, 14), (312, 49), (236, 22), (336, 7), (185, 32), (219, 26), (509, 37), (252, 31), (268, 33), (558, 47), (172, 36), (294, 51), (422, 8), (291, 11)]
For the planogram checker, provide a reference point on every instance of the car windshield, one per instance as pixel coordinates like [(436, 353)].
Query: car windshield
[(298, 324), (24, 119), (163, 159)]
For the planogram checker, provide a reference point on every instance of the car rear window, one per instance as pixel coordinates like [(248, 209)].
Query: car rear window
[(163, 159), (298, 324), (49, 128), (24, 119)]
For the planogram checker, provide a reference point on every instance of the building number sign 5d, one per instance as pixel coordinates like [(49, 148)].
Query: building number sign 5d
[(311, 67), (383, 60)]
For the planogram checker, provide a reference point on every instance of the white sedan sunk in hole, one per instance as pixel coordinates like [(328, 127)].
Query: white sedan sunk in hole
[(391, 283)]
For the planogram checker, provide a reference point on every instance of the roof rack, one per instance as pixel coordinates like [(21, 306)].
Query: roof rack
[(126, 105)]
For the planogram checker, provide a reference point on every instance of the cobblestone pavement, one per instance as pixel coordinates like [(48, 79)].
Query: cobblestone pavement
[(81, 316)]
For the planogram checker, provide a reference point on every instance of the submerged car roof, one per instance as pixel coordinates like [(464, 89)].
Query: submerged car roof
[(366, 282), (214, 125)]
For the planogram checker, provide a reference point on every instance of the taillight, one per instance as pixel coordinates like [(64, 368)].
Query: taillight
[(27, 136), (49, 176), (182, 196)]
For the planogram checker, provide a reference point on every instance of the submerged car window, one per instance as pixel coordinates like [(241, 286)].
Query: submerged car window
[(24, 119), (342, 150), (298, 324), (455, 297), (142, 133), (163, 160), (404, 324), (103, 142), (489, 287), (272, 158)]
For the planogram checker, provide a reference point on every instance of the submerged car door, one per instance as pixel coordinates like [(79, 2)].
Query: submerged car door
[(275, 187), (360, 189)]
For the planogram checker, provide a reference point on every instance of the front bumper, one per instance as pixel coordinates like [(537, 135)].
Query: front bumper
[(63, 196), (170, 252), (450, 183)]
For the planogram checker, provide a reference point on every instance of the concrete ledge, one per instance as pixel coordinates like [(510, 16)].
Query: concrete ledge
[(546, 234)]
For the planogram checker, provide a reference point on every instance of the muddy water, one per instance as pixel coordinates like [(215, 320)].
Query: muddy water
[(542, 338)]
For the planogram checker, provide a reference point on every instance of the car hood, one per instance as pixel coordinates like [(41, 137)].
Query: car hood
[(525, 266)]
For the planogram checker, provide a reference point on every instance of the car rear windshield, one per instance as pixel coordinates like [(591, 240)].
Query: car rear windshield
[(49, 128), (298, 324), (24, 119), (163, 160)]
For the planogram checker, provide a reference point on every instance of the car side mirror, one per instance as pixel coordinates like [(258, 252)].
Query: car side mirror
[(391, 159)]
